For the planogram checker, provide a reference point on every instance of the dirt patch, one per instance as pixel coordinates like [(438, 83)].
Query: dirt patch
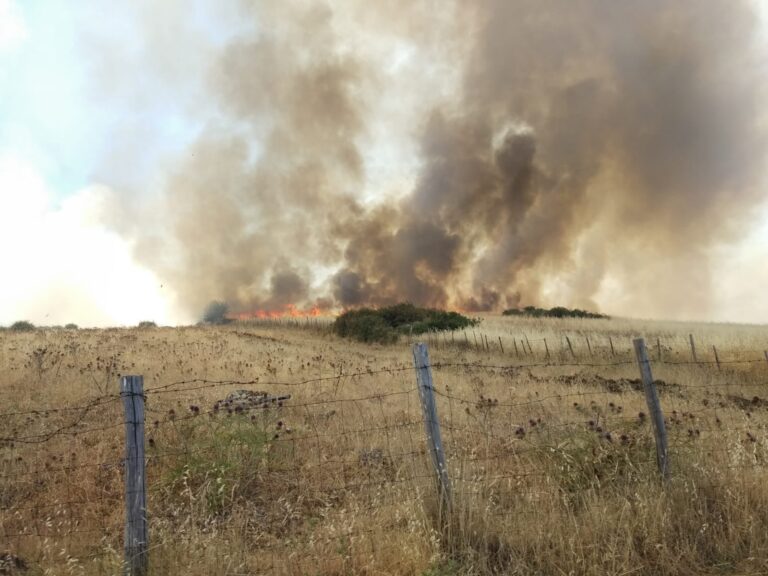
[(252, 336), (618, 385), (613, 385), (12, 564), (245, 400), (747, 403)]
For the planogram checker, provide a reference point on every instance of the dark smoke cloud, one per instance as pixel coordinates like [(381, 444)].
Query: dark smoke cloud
[(590, 143), (648, 122), (250, 206)]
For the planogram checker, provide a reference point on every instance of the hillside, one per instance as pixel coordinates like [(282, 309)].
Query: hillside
[(324, 468)]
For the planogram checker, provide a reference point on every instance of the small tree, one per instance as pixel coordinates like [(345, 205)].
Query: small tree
[(70, 326), (147, 324), (385, 324), (22, 326), (216, 313)]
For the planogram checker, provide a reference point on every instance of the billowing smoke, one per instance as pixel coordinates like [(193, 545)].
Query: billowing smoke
[(581, 153)]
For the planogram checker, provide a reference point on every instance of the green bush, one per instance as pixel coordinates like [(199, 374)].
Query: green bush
[(221, 462), (22, 326), (226, 465), (403, 314), (443, 568), (216, 313), (365, 325), (147, 324), (386, 324), (71, 326), (556, 312)]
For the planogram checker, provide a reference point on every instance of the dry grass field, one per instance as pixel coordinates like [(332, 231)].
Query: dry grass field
[(551, 458)]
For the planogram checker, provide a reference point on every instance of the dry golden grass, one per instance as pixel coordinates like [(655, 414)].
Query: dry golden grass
[(553, 468)]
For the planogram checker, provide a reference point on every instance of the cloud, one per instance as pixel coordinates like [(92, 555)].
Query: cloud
[(13, 29), (62, 263)]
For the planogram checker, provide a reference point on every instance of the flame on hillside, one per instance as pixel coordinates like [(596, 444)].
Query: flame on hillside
[(288, 311)]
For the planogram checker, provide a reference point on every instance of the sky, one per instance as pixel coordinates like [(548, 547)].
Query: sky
[(97, 102), (60, 137)]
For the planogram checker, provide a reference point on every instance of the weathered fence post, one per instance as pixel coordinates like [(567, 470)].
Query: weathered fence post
[(136, 532), (517, 354), (610, 341), (546, 348), (693, 348), (717, 358), (654, 407), (589, 346), (658, 349), (570, 347), (431, 422), (501, 345)]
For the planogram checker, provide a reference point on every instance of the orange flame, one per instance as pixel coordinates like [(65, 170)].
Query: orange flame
[(290, 311)]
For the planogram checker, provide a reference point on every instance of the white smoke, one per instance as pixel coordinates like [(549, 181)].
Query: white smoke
[(62, 263)]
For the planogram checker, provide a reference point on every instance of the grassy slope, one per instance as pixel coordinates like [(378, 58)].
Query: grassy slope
[(347, 490)]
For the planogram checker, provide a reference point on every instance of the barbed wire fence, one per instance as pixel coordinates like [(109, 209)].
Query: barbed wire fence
[(401, 444), (585, 346), (576, 345)]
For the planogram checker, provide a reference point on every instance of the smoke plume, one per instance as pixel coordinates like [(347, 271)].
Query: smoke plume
[(588, 153)]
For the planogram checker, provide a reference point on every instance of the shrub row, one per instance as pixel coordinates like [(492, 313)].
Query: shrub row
[(556, 312), (26, 326)]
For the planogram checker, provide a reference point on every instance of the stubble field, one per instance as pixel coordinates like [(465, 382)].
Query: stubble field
[(550, 453)]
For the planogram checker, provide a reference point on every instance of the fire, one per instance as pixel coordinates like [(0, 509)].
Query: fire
[(289, 311)]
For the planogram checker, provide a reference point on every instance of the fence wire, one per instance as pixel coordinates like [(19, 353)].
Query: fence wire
[(285, 450)]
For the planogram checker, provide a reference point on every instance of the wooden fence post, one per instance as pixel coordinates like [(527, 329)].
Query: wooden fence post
[(589, 346), (501, 345), (654, 407), (431, 422), (658, 349), (570, 347), (517, 354), (717, 358), (136, 531), (546, 347), (693, 348), (530, 350), (610, 340)]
